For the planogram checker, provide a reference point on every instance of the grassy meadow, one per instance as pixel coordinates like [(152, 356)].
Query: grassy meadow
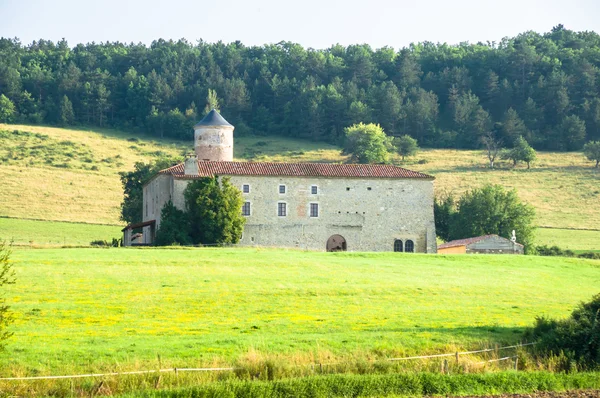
[(36, 233), (84, 310), (72, 175)]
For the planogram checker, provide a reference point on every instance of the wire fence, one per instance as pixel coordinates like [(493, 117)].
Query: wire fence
[(231, 369)]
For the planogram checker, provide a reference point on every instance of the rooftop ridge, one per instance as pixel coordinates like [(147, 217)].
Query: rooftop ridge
[(211, 168)]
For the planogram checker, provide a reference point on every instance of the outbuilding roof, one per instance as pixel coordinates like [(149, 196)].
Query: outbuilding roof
[(468, 241), (213, 118), (212, 168)]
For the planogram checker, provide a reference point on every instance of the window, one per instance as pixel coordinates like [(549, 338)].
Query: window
[(246, 188), (282, 189), (246, 209), (281, 209), (397, 245), (314, 210), (347, 188), (314, 190), (368, 188), (409, 246)]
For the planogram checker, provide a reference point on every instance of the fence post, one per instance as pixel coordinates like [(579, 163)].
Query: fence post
[(446, 368), (457, 357), (516, 363)]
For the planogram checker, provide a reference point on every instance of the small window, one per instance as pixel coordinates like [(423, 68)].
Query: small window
[(281, 209), (282, 189), (368, 188), (347, 188), (314, 190), (246, 209), (246, 188), (398, 245), (314, 210), (409, 246)]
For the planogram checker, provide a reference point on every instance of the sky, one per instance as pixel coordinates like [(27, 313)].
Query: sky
[(311, 23)]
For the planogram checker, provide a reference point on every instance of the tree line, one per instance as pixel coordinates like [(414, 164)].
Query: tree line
[(542, 87)]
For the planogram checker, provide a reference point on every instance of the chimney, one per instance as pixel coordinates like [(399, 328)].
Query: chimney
[(191, 165)]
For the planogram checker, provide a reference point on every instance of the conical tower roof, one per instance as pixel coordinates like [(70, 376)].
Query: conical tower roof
[(213, 118)]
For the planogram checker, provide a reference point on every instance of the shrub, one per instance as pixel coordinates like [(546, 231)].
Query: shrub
[(577, 337), (6, 278)]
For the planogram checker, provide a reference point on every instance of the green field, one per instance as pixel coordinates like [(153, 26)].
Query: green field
[(569, 239), (54, 233), (73, 175), (93, 309)]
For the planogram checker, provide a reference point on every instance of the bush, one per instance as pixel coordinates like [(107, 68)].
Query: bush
[(6, 278), (557, 251), (576, 338), (553, 251)]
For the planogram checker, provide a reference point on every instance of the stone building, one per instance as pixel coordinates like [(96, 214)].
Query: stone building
[(305, 205), (482, 244)]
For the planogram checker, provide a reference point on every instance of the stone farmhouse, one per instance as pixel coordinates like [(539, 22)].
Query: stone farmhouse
[(312, 206)]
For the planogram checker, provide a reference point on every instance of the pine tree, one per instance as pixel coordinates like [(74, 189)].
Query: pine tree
[(67, 116)]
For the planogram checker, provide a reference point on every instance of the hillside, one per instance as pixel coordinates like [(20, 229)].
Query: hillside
[(73, 175)]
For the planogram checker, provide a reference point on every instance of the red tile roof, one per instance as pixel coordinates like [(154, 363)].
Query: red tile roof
[(467, 241), (207, 168)]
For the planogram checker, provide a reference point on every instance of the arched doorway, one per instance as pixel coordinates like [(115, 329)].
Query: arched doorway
[(409, 246), (398, 245), (336, 243)]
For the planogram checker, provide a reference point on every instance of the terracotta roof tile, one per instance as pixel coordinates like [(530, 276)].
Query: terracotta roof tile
[(467, 241), (208, 168)]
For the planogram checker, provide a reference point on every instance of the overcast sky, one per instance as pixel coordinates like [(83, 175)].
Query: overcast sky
[(312, 23)]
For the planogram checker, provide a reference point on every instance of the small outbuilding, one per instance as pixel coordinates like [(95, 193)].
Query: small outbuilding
[(493, 244)]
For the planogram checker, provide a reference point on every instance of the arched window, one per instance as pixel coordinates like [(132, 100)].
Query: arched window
[(397, 245), (409, 246)]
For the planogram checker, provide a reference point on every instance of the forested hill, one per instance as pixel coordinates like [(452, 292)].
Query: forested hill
[(545, 87)]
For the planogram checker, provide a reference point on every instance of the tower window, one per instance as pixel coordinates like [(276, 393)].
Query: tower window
[(246, 188), (282, 189), (246, 209), (314, 190), (281, 209), (314, 210)]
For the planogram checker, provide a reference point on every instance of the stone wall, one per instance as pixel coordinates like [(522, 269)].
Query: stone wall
[(214, 143), (157, 192), (369, 214)]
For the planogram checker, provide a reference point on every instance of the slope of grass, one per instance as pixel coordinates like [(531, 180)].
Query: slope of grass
[(52, 233), (569, 239), (89, 309)]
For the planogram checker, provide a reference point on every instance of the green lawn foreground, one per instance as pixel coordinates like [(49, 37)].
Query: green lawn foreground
[(82, 310), (54, 233)]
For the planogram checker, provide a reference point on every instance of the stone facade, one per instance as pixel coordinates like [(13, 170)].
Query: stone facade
[(370, 214)]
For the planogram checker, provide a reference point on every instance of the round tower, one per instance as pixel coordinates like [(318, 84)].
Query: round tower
[(213, 138)]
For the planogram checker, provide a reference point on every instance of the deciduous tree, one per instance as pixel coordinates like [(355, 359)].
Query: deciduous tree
[(367, 143), (521, 152), (406, 146), (7, 109), (214, 208), (591, 150)]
